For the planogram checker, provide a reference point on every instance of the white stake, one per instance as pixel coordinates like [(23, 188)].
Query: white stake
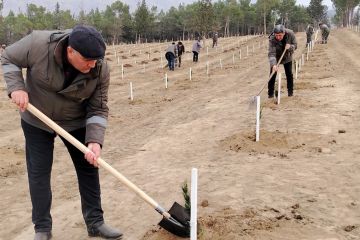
[(240, 53), (131, 92), (302, 59), (161, 62), (247, 50), (257, 118), (307, 53), (190, 74), (122, 71), (279, 88), (233, 58), (207, 68), (296, 70), (166, 81), (194, 203), (118, 60)]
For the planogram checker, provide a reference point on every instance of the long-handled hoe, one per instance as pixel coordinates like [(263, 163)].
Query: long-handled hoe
[(175, 221), (253, 98)]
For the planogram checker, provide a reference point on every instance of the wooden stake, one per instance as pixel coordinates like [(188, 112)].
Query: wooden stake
[(257, 136), (131, 92), (279, 88), (194, 203), (122, 71)]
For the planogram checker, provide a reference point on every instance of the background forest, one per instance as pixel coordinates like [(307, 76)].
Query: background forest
[(201, 18)]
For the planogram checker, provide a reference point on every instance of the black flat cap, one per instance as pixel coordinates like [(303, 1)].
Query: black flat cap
[(87, 41)]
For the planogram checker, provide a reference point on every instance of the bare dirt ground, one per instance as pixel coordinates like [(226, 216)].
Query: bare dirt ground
[(300, 181)]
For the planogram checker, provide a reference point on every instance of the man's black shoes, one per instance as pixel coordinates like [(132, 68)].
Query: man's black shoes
[(105, 231)]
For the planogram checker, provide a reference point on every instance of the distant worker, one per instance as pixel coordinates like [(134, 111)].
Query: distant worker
[(280, 40), (180, 50), (2, 48), (325, 31), (309, 33), (170, 56), (196, 50), (215, 39)]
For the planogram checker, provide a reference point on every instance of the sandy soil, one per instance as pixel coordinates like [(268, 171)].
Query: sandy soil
[(300, 181)]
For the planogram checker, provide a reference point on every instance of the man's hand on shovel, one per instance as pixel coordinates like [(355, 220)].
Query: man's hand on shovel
[(20, 98), (93, 154)]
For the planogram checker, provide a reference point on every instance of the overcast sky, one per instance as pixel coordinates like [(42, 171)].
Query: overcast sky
[(76, 5)]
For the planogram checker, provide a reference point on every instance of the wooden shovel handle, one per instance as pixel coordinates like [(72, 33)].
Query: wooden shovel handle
[(85, 150), (272, 72)]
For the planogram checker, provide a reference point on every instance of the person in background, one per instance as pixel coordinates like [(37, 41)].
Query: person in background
[(309, 33), (280, 40), (2, 49), (180, 50), (325, 31), (196, 50), (170, 56), (68, 80), (215, 39)]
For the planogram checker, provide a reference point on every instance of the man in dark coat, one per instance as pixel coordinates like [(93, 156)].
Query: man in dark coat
[(281, 39)]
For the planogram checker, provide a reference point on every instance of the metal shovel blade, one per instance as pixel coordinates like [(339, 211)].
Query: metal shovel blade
[(179, 223)]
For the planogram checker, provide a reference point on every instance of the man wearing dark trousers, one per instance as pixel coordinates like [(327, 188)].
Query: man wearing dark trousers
[(68, 81), (281, 39), (196, 50), (180, 51)]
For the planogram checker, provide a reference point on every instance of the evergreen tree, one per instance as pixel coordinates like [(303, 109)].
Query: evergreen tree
[(317, 11)]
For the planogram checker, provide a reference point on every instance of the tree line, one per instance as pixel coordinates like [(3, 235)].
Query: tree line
[(198, 19)]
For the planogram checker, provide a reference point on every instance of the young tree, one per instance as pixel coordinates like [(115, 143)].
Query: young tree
[(204, 18), (142, 20), (265, 7), (317, 11)]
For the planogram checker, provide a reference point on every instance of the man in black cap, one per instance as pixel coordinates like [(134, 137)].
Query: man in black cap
[(280, 40), (68, 81)]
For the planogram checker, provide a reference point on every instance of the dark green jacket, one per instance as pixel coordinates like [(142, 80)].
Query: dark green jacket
[(82, 104), (276, 48)]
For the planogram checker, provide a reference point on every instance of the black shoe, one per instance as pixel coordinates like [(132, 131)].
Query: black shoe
[(290, 94), (42, 236), (271, 96), (105, 231)]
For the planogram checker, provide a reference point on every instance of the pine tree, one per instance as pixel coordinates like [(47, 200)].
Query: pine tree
[(317, 11)]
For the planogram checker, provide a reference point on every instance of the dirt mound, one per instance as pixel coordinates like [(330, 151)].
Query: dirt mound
[(229, 224), (274, 143)]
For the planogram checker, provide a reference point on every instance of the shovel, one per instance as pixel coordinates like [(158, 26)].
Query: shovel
[(253, 98), (175, 221)]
